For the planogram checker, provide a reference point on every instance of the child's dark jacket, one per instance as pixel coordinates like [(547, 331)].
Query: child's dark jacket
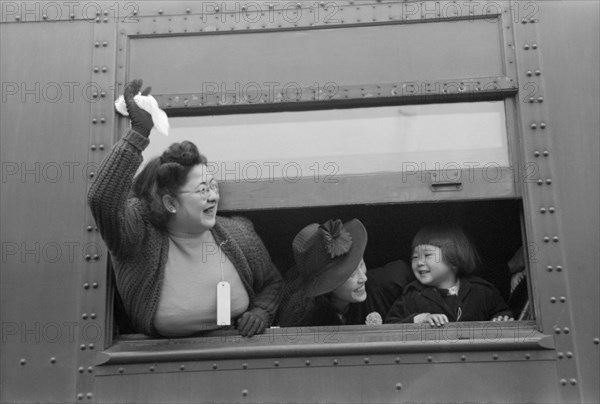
[(478, 300)]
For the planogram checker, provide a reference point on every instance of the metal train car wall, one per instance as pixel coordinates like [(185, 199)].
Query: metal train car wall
[(536, 63)]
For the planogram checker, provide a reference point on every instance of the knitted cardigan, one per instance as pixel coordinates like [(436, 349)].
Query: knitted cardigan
[(140, 250)]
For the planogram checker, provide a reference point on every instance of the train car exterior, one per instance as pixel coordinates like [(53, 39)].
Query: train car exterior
[(534, 63)]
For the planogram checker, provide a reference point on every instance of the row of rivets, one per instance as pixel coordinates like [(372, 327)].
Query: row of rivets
[(529, 73), (550, 209), (88, 395), (90, 369), (541, 182), (534, 126), (93, 147), (95, 285), (547, 239), (573, 382), (550, 268), (546, 153), (84, 316), (97, 44), (562, 299), (533, 46)]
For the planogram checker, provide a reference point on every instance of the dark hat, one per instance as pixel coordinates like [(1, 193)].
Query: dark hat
[(326, 255)]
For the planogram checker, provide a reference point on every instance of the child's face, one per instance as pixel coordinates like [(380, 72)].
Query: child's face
[(430, 269)]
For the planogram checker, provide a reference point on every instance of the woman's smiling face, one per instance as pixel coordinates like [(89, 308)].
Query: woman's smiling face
[(353, 290), (197, 202)]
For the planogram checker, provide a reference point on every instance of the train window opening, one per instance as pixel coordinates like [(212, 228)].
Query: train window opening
[(275, 145), (494, 226)]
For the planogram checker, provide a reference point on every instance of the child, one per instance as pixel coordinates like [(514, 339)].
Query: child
[(442, 261)]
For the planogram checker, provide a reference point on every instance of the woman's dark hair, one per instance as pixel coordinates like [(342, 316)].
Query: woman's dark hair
[(165, 175), (457, 250)]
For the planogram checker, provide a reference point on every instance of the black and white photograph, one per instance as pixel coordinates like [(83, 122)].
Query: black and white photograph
[(321, 202)]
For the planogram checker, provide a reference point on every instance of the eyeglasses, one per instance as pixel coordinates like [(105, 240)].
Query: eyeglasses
[(204, 189)]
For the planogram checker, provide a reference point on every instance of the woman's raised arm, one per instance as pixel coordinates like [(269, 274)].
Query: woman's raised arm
[(118, 221)]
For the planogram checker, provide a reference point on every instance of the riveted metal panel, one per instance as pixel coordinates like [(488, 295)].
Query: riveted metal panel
[(569, 60), (378, 379), (45, 133), (556, 304)]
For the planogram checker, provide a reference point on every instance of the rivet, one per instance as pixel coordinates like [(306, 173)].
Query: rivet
[(536, 153), (529, 73), (532, 20), (563, 299), (429, 359), (495, 356), (23, 362), (540, 99), (543, 125), (97, 44), (93, 147), (160, 11), (96, 257), (18, 18), (91, 345), (105, 44), (82, 347), (552, 299), (551, 209), (548, 181), (81, 369), (182, 367), (546, 153), (188, 10), (366, 360), (397, 359), (531, 99), (307, 363), (80, 396), (538, 72), (596, 341), (105, 12), (559, 268), (84, 316), (89, 395), (96, 70), (557, 330), (87, 256), (104, 69), (89, 228), (245, 366), (463, 358), (534, 46), (95, 95), (533, 126), (528, 356), (542, 210), (135, 12), (549, 268), (103, 94), (93, 316), (566, 330), (215, 366), (563, 382), (121, 370), (95, 285), (86, 285), (398, 386), (217, 9), (245, 393), (540, 182), (90, 369), (97, 13), (276, 363), (573, 382), (569, 355), (97, 19), (102, 120), (560, 355), (546, 239), (526, 47), (45, 17), (101, 147), (152, 368)]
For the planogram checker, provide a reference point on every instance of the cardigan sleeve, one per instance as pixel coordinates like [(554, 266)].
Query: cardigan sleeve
[(267, 281), (119, 222)]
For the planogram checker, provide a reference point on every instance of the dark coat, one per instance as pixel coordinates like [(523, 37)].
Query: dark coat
[(384, 285), (478, 300)]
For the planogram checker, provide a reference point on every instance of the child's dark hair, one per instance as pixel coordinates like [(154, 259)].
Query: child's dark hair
[(457, 250), (165, 175)]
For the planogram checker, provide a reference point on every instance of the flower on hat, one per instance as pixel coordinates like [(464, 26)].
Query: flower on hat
[(337, 240)]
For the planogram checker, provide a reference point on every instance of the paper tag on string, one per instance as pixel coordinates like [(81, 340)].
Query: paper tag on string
[(223, 303)]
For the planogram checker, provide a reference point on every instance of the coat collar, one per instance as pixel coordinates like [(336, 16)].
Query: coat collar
[(432, 294)]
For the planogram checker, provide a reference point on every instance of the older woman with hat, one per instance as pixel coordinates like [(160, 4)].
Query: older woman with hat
[(328, 285), (179, 268)]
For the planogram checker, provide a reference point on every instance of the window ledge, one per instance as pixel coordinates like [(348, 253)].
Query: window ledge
[(326, 341)]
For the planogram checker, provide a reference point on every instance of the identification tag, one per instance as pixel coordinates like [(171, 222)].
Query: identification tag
[(223, 303)]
